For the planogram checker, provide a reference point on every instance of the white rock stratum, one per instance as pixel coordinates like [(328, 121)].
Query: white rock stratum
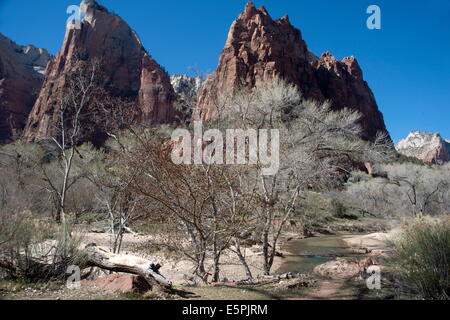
[(427, 146)]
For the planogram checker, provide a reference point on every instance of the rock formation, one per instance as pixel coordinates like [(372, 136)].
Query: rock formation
[(426, 146), (125, 283), (260, 48), (128, 71), (342, 83), (186, 90), (22, 71), (186, 86)]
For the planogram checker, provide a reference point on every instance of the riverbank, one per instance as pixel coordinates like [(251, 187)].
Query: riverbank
[(320, 249)]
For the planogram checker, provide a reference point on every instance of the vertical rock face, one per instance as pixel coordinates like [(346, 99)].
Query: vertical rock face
[(128, 71), (342, 82), (260, 48), (22, 70), (426, 146)]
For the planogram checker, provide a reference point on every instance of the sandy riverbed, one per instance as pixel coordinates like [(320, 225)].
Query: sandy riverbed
[(179, 269)]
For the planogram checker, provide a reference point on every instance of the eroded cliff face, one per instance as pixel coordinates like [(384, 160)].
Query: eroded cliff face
[(342, 82), (22, 70), (260, 48), (426, 146), (128, 71)]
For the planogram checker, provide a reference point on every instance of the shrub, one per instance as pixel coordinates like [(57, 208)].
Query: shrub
[(341, 211), (34, 249), (421, 256)]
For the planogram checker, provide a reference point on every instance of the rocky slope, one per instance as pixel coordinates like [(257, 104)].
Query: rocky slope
[(22, 70), (260, 48), (426, 146), (128, 71)]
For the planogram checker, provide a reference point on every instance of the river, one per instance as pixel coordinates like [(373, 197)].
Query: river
[(305, 254)]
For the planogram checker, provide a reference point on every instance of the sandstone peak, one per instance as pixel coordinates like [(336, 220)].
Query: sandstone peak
[(427, 146), (129, 71), (250, 12), (259, 48), (348, 65), (186, 85), (33, 58), (285, 18)]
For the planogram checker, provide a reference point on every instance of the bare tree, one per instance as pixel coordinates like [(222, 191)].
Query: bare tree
[(198, 207), (318, 147), (203, 210), (118, 203), (73, 102), (422, 186)]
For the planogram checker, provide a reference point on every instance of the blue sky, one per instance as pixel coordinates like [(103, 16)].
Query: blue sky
[(406, 63)]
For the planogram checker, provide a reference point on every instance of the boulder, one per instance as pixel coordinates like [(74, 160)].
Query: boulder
[(120, 282), (344, 268)]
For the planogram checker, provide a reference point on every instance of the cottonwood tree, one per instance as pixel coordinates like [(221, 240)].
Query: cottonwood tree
[(204, 210), (198, 208), (407, 189), (115, 200), (78, 92), (317, 146), (19, 178), (422, 187)]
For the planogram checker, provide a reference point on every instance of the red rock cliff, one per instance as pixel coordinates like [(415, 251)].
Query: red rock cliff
[(21, 76), (259, 48), (129, 71)]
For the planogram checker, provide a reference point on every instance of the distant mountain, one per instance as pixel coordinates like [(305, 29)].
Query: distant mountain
[(22, 70), (260, 48), (426, 146), (186, 89), (186, 86)]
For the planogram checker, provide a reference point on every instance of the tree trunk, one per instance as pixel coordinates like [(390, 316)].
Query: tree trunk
[(216, 268), (149, 270), (266, 253), (244, 263)]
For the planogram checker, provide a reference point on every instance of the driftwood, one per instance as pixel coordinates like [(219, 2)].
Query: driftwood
[(95, 257), (149, 270)]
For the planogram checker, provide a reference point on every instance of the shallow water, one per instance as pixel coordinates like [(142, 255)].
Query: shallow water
[(305, 254)]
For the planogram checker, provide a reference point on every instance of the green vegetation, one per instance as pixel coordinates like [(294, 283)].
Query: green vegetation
[(422, 256)]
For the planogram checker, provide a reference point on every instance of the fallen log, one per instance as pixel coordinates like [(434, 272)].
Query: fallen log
[(94, 257), (149, 270)]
